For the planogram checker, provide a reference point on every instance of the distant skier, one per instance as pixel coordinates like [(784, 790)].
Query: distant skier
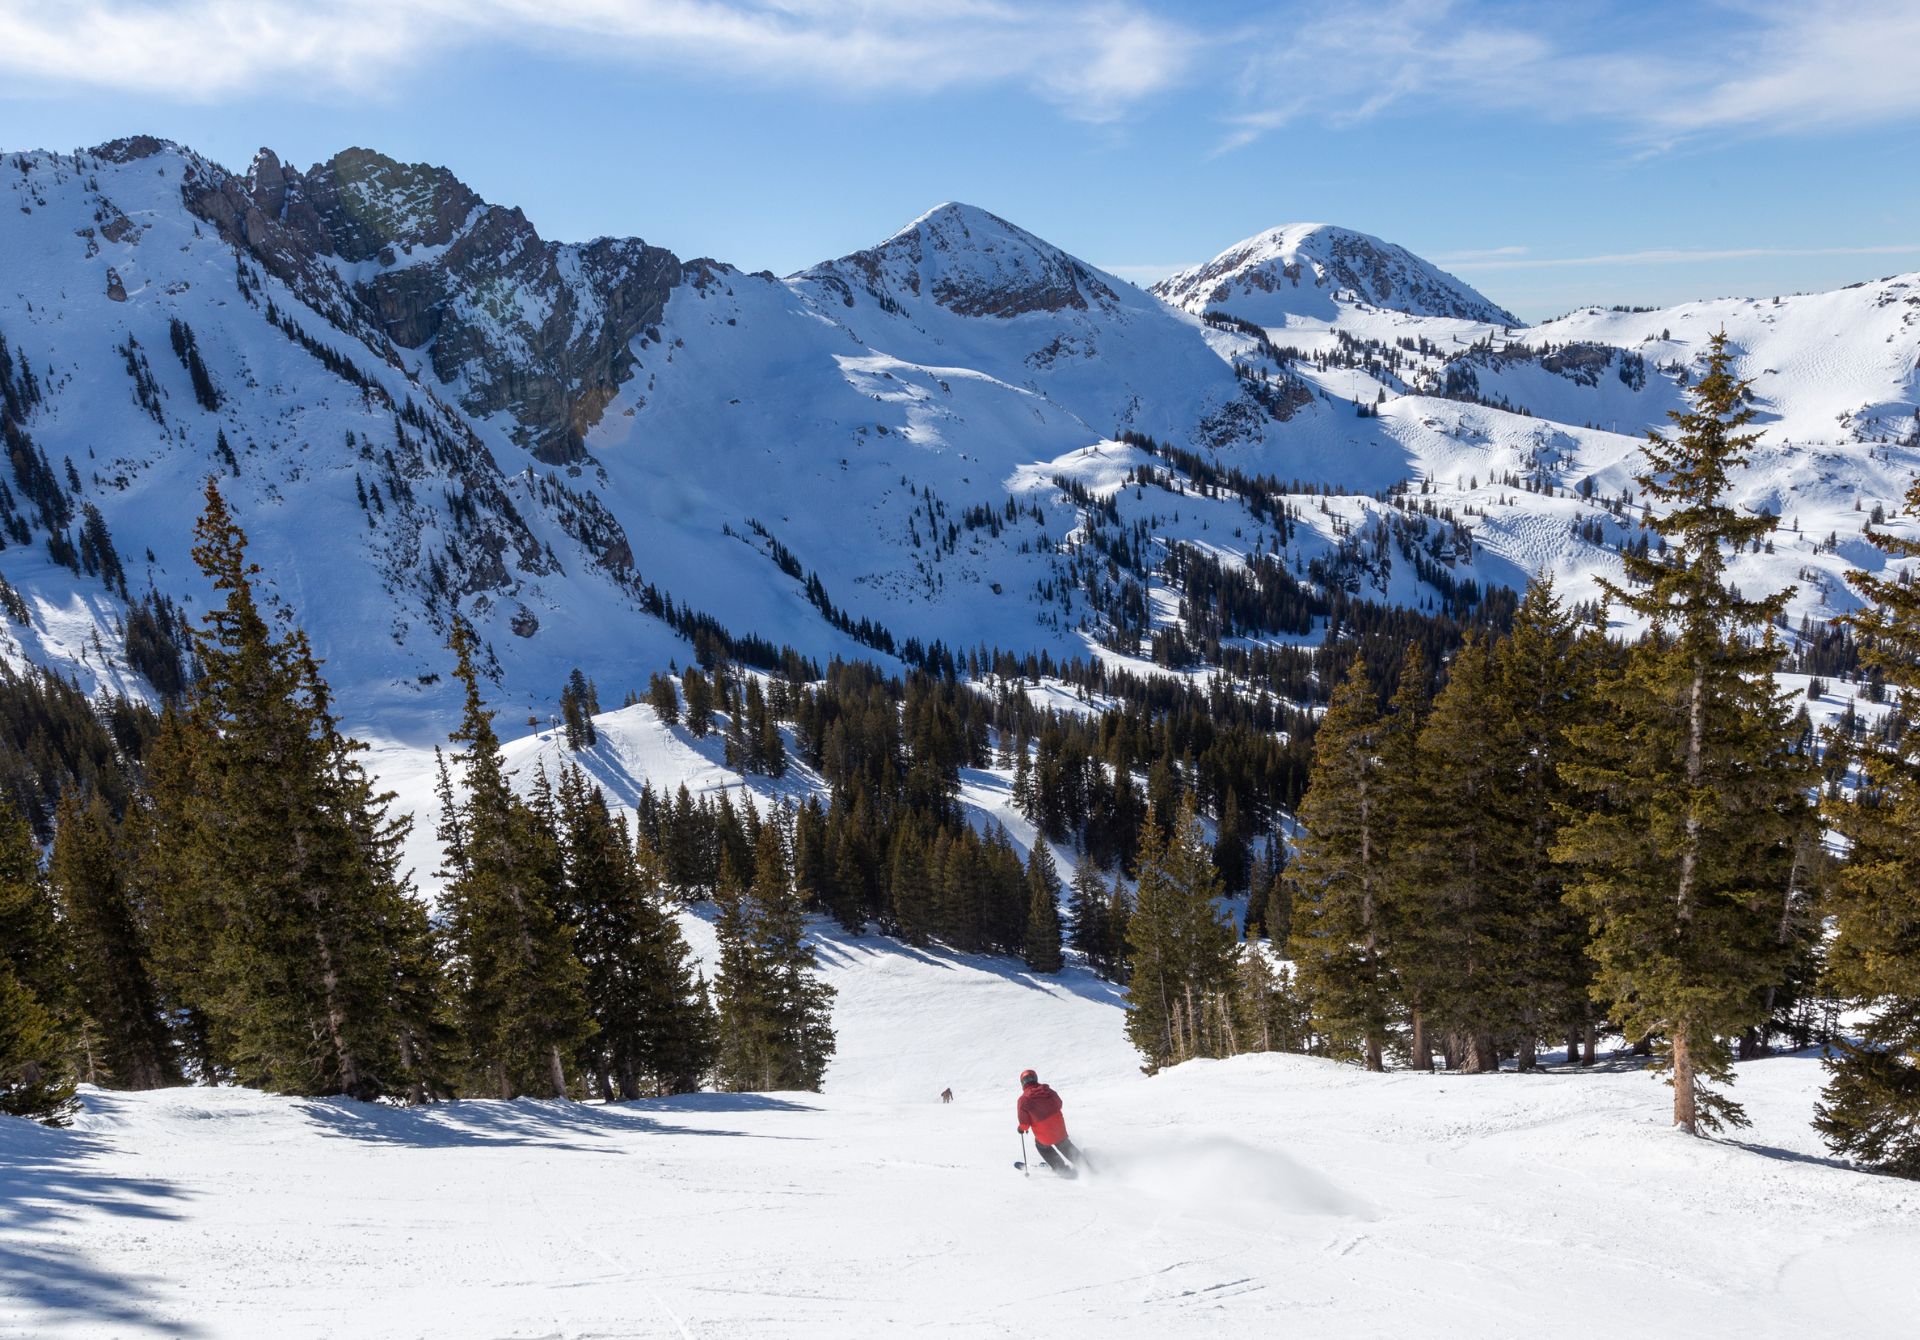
[(1039, 1112), (946, 1095)]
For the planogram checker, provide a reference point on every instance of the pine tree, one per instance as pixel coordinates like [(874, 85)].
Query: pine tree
[(518, 988), (279, 861), (674, 1045), (1269, 1014), (1690, 786), (1184, 949), (578, 703), (698, 712), (127, 1045), (663, 698), (1338, 878), (1870, 1108), (652, 1036), (1459, 940), (775, 1024), (1546, 672), (1403, 795), (1087, 906), (35, 1078), (1042, 949)]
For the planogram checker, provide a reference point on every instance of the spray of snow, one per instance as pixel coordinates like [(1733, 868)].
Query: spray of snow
[(1219, 1178)]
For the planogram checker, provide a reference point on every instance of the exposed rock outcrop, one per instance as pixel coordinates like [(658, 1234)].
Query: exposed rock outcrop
[(513, 324)]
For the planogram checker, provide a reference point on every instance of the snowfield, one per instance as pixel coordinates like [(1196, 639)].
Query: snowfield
[(1258, 1196)]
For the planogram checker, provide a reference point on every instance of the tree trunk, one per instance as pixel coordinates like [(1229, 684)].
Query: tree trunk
[(1375, 1061), (1589, 1043), (410, 1062), (629, 1088), (1421, 1048), (1573, 1045), (1529, 1055), (1686, 1114), (558, 1071), (349, 1067)]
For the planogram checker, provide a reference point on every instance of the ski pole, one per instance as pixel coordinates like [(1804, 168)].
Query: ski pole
[(1025, 1171)]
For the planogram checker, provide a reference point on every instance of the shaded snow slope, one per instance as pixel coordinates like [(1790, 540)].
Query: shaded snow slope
[(1314, 271)]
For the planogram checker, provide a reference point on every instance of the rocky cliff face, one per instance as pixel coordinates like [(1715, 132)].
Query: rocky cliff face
[(414, 261)]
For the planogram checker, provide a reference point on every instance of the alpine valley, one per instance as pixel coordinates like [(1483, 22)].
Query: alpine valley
[(1002, 477)]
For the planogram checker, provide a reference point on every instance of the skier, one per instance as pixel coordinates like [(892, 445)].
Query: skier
[(1039, 1112)]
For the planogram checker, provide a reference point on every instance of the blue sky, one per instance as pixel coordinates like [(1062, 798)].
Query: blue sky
[(1551, 154)]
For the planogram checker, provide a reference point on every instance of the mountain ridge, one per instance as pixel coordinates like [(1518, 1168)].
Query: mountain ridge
[(420, 406)]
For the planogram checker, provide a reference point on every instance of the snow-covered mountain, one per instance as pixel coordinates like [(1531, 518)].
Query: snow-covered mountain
[(1312, 270), (419, 405)]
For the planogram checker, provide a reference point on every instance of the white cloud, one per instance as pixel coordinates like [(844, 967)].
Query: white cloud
[(1093, 61), (1764, 66)]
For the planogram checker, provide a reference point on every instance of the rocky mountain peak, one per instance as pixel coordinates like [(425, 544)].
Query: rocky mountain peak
[(971, 262), (537, 329)]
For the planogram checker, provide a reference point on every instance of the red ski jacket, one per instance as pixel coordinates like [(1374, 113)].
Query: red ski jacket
[(1039, 1112)]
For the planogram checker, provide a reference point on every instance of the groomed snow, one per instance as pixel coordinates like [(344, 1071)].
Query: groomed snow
[(1258, 1196)]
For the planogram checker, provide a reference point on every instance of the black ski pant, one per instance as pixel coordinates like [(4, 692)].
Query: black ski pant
[(1053, 1154)]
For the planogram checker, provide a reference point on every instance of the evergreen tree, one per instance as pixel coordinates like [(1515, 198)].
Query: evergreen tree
[(663, 698), (1268, 1013), (1690, 788), (1546, 673), (1181, 971), (1338, 878), (775, 1026), (1459, 939), (518, 988), (1042, 948), (279, 859), (1402, 800), (578, 703), (35, 1078), (1119, 950), (652, 1035), (125, 1043), (1087, 905), (1870, 1108), (699, 702)]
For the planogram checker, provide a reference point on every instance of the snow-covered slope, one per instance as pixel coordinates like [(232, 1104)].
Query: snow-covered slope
[(1313, 271), (417, 406), (1827, 368), (1259, 1196)]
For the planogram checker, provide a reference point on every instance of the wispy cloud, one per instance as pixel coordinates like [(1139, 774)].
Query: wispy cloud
[(1678, 256), (1478, 254), (1759, 66), (1093, 61)]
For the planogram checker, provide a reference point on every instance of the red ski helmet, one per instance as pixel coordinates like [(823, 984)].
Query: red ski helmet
[(1027, 1077)]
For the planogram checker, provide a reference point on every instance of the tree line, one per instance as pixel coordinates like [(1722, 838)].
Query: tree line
[(1575, 834), (230, 907)]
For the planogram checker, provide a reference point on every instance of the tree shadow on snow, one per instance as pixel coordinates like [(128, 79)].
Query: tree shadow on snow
[(49, 1182), (835, 947), (472, 1123)]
